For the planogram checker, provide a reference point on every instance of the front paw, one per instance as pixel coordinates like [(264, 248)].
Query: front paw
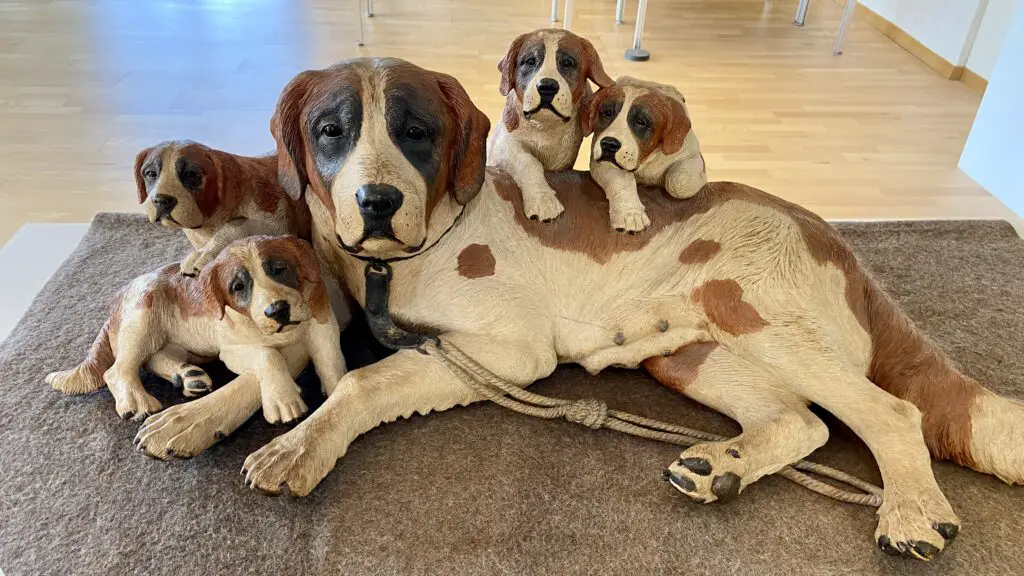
[(181, 431), (708, 472), (917, 526), (135, 404), (294, 461), (630, 221), (283, 406), (544, 206), (194, 263), (193, 380)]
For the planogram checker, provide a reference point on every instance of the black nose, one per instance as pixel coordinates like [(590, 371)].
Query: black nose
[(547, 87), (378, 201), (610, 145), (164, 205), (280, 311)]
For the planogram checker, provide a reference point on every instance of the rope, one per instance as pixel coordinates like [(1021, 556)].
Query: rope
[(595, 415)]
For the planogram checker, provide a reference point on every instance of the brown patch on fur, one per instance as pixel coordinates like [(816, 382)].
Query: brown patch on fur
[(680, 370), (476, 261), (307, 265), (140, 181), (590, 118), (590, 65), (723, 303), (468, 147), (671, 124), (510, 61), (699, 251), (510, 113)]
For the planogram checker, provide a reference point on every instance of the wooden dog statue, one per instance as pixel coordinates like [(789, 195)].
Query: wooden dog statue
[(261, 307), (215, 197)]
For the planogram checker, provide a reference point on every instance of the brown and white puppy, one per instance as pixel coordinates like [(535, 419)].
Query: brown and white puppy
[(544, 77), (215, 197), (261, 307), (642, 135)]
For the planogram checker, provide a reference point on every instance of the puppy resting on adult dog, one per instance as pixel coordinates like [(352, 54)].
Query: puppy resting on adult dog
[(216, 197), (261, 307), (642, 135), (544, 77)]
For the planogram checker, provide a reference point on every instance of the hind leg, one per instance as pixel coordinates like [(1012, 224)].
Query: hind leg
[(136, 342), (171, 363), (778, 429)]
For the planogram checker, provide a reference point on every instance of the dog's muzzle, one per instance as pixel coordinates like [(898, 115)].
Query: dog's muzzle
[(164, 206), (609, 147)]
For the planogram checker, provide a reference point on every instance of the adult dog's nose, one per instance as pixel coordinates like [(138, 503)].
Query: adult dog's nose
[(280, 311), (164, 204), (378, 201), (610, 145), (547, 87)]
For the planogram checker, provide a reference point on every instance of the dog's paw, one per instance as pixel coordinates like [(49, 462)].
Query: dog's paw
[(283, 406), (193, 380), (916, 526), (135, 404), (181, 431), (707, 472), (294, 462), (194, 263), (543, 206), (630, 221)]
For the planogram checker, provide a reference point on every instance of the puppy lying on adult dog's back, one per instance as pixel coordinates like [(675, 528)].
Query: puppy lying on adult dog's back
[(216, 197), (544, 78)]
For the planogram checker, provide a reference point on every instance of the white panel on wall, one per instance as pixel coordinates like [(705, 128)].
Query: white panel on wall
[(990, 36), (941, 25)]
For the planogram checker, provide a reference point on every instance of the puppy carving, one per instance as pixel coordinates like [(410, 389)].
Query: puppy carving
[(642, 135), (261, 307), (544, 78), (215, 197)]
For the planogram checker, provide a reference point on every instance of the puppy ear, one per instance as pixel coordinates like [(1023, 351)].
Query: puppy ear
[(286, 126), (214, 296), (594, 67), (468, 148), (507, 65), (676, 128), (306, 261), (215, 192), (589, 109), (140, 182)]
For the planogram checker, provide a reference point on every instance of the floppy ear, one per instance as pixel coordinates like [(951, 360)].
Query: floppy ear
[(286, 127), (589, 109), (468, 149), (676, 129), (595, 70), (214, 296), (306, 261), (140, 182), (214, 192), (507, 65)]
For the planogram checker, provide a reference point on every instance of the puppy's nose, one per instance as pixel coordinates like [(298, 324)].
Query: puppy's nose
[(547, 87), (279, 310), (164, 205), (378, 201), (610, 145)]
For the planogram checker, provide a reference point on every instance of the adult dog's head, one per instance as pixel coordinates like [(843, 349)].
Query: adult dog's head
[(273, 281), (548, 70), (384, 145), (633, 119), (180, 182)]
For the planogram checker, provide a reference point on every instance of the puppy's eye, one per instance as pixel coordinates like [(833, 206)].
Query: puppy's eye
[(531, 61), (415, 133), (331, 130), (608, 111), (278, 269), (149, 174), (567, 62), (642, 122), (238, 286)]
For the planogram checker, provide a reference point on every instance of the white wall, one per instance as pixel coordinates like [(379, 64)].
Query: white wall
[(994, 153), (944, 26), (990, 36)]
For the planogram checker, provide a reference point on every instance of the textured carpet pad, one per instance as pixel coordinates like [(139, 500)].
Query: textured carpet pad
[(478, 490)]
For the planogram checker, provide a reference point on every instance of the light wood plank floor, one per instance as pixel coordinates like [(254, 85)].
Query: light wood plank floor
[(84, 84)]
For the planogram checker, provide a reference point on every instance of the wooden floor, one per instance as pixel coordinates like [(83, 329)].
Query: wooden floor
[(84, 84)]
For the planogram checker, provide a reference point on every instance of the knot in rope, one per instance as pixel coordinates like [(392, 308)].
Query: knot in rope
[(588, 412)]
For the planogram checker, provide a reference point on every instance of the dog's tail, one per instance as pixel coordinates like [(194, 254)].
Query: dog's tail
[(962, 421), (87, 376)]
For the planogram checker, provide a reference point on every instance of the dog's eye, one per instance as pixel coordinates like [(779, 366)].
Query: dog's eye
[(567, 62), (415, 133), (278, 269), (149, 174), (331, 130), (531, 61), (238, 286), (608, 110), (642, 122)]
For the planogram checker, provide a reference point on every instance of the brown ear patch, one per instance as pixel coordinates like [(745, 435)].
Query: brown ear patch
[(699, 251), (140, 181), (509, 62), (510, 115), (591, 67), (470, 127), (590, 119), (671, 123), (476, 261), (286, 127), (723, 303), (680, 370)]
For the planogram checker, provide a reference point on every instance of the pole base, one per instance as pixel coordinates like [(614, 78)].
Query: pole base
[(638, 55)]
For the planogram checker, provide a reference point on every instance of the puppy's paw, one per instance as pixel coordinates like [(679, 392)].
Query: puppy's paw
[(135, 404), (194, 263), (542, 206), (181, 431), (630, 221), (295, 461), (917, 525), (283, 405), (708, 471), (193, 380)]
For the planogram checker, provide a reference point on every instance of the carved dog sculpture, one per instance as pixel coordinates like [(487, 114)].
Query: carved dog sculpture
[(215, 197), (751, 305), (261, 307), (642, 135), (544, 78)]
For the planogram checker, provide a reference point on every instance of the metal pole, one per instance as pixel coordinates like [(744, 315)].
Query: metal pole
[(567, 19), (620, 8), (369, 8), (359, 15), (801, 12), (554, 10), (843, 25), (636, 53)]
